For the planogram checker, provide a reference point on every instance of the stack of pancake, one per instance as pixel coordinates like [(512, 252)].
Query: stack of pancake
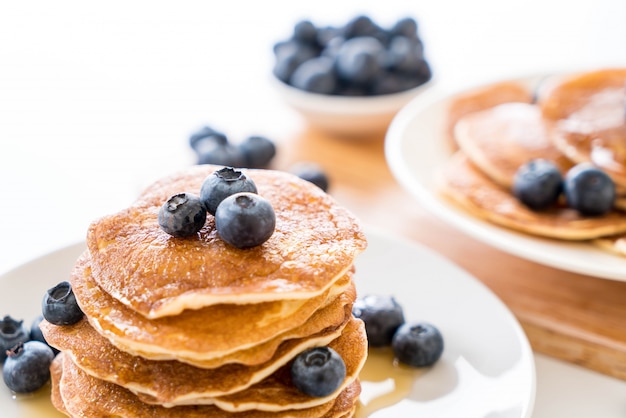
[(186, 327), (568, 120)]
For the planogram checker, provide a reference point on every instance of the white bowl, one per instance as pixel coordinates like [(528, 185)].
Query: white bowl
[(362, 117)]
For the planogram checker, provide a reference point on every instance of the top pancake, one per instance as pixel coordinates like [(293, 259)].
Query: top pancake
[(501, 139), (588, 119), (155, 274), (482, 98)]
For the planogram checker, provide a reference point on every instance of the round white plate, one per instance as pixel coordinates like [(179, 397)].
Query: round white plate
[(415, 149), (487, 369)]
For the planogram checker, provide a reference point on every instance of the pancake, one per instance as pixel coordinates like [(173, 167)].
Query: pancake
[(56, 370), (614, 244), (86, 396), (169, 382), (588, 119), (501, 139), (278, 393), (467, 187), (314, 244), (482, 98), (204, 334)]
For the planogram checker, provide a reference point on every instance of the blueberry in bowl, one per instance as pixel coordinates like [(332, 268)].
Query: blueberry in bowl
[(350, 80)]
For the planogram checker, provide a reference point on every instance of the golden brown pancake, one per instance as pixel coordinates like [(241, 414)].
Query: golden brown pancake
[(169, 381), (56, 369), (203, 334), (615, 244), (155, 274), (482, 98), (86, 396), (277, 392), (466, 186), (587, 115), (501, 139)]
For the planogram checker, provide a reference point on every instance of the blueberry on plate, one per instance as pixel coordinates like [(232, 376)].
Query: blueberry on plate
[(12, 332), (311, 172), (27, 367), (417, 344), (37, 335), (318, 371), (245, 220), (589, 190), (222, 183), (182, 215), (258, 151), (59, 305), (538, 184), (382, 316)]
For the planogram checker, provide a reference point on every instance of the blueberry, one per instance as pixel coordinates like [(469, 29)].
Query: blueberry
[(258, 151), (27, 367), (245, 220), (182, 215), (222, 183), (59, 305), (417, 344), (405, 54), (382, 316), (589, 190), (305, 31), (360, 60), (318, 371), (538, 184), (406, 26), (361, 25), (311, 172), (289, 56), (227, 154), (316, 75), (37, 335), (12, 332), (203, 133)]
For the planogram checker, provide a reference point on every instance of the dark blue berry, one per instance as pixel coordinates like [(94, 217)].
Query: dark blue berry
[(318, 371), (305, 31), (311, 172), (316, 75), (245, 220), (227, 154), (406, 26), (27, 367), (589, 190), (382, 316), (182, 215), (538, 184), (405, 55), (361, 25), (37, 335), (289, 56), (59, 305), (195, 139), (417, 344), (12, 332), (258, 151), (360, 60), (222, 183)]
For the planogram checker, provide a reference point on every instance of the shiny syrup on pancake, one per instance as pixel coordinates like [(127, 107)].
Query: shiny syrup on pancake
[(37, 404)]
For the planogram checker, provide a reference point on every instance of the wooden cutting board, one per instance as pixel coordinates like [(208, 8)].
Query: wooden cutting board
[(572, 317)]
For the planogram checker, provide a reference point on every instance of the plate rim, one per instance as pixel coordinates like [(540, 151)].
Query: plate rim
[(482, 230)]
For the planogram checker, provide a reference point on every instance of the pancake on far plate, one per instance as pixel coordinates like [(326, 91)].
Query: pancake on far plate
[(587, 117), (468, 187)]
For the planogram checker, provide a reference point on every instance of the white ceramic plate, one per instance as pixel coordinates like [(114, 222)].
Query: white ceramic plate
[(487, 369), (415, 149)]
